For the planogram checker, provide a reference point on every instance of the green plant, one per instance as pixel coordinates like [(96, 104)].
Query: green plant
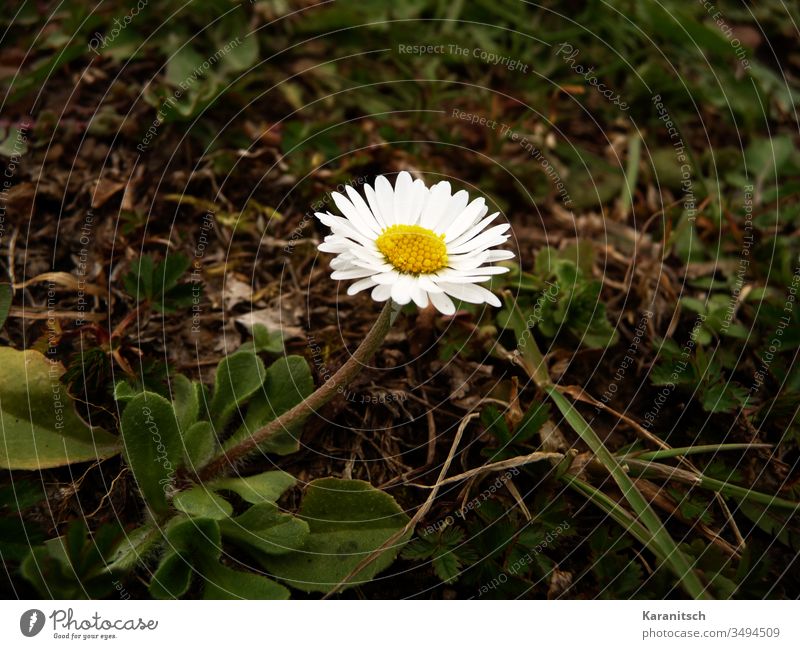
[(559, 298), (73, 566), (197, 531), (156, 283), (40, 425)]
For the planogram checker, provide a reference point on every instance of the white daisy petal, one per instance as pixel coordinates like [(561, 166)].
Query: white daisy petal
[(372, 199), (456, 236), (419, 195), (385, 195), (401, 290), (402, 198), (427, 284), (467, 261), (455, 206), (353, 273), (328, 246), (389, 277), (491, 237), (342, 227), (419, 296), (499, 255), (354, 215), (458, 279), (360, 285), (363, 209), (471, 293), (483, 270), (341, 262), (442, 303), (463, 220), (382, 292), (436, 203)]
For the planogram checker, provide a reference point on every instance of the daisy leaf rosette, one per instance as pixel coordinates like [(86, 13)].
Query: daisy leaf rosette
[(414, 243)]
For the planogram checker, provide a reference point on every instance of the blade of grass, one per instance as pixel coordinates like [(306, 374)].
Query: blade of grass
[(645, 468), (617, 512), (690, 450), (631, 175), (660, 541), (661, 538)]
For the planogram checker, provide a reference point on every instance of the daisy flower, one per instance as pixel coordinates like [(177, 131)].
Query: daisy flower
[(415, 243)]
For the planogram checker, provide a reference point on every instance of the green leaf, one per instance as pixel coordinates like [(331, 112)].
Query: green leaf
[(348, 520), (446, 566), (153, 447), (13, 144), (190, 542), (6, 295), (264, 487), (18, 495), (168, 272), (226, 583), (264, 341), (767, 157), (244, 55), (39, 427), (133, 548), (200, 444), (288, 382), (265, 529), (238, 377), (182, 64), (200, 502), (124, 391), (72, 566), (532, 422), (194, 537), (722, 397), (172, 578), (186, 401), (139, 280)]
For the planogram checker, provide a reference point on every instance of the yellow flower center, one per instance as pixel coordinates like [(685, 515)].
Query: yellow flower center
[(413, 249)]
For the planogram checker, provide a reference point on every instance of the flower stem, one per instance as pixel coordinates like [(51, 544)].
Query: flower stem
[(226, 460)]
